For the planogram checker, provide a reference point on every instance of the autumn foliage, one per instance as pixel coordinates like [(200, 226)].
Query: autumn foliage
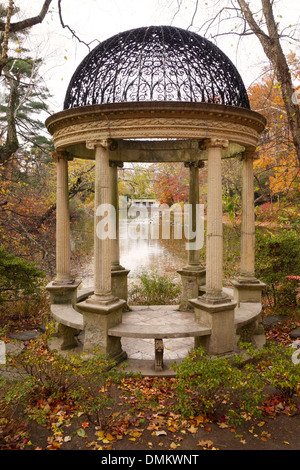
[(277, 169)]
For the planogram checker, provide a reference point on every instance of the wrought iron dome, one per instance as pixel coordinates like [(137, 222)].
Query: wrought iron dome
[(156, 63)]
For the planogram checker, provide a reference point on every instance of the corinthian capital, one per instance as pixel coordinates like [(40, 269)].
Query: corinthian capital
[(221, 143), (104, 143)]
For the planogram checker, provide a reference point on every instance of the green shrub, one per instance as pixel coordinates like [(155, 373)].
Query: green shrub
[(234, 386), (78, 379), (279, 370), (211, 385), (18, 277), (154, 289), (278, 256)]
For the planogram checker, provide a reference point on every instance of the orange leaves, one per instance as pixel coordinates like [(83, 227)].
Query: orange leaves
[(278, 159), (22, 206), (171, 183)]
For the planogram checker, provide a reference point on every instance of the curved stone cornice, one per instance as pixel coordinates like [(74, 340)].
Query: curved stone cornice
[(160, 120)]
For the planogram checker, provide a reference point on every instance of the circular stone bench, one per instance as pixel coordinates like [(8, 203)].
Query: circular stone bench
[(70, 321), (67, 315), (158, 333), (246, 319)]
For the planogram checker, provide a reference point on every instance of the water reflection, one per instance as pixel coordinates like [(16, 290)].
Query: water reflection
[(162, 255), (140, 253)]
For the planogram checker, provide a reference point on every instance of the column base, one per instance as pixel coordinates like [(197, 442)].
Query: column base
[(247, 290), (64, 294), (192, 277), (219, 317), (119, 285), (98, 317), (61, 293)]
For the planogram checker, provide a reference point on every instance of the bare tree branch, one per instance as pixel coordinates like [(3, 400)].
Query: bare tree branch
[(273, 50), (263, 25), (70, 29), (28, 22), (194, 14)]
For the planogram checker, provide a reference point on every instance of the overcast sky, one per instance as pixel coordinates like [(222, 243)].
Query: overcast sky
[(101, 19)]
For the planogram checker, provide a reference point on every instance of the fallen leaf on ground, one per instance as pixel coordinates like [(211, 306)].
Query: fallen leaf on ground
[(262, 423), (193, 430), (160, 433), (207, 443), (172, 429), (174, 446), (223, 425), (199, 420)]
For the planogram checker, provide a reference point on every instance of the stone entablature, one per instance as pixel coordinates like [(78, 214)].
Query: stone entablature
[(158, 120)]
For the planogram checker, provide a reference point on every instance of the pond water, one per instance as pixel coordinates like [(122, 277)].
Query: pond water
[(164, 256)]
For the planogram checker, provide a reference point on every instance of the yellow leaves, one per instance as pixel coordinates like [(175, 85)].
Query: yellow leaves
[(101, 435), (106, 438), (53, 445), (262, 423), (174, 446), (265, 435), (135, 434)]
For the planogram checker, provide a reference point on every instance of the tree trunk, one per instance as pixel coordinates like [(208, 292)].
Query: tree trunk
[(273, 50), (11, 145)]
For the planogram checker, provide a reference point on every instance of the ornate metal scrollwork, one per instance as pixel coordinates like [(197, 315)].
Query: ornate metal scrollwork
[(156, 63)]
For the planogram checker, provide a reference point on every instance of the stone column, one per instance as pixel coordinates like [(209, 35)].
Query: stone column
[(192, 275), (247, 268), (102, 310), (194, 255), (63, 289), (118, 273), (62, 221), (102, 247), (115, 248), (246, 287), (214, 246), (215, 309)]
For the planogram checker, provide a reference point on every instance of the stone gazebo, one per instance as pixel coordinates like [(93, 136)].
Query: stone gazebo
[(156, 94)]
